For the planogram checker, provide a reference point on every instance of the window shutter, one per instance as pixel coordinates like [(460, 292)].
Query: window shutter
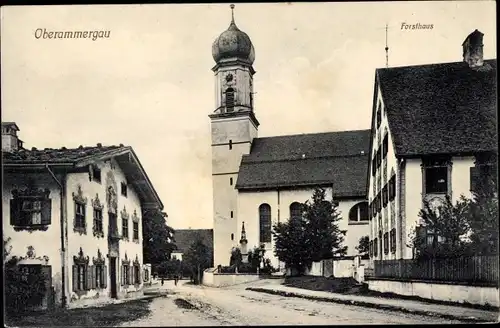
[(94, 277), (15, 211), (123, 275), (75, 278), (104, 279), (474, 178), (130, 275), (46, 211), (88, 275)]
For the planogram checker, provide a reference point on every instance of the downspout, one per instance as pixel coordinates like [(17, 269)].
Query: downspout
[(63, 248), (279, 262)]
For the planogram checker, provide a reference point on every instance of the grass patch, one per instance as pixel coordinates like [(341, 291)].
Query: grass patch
[(324, 284), (108, 315)]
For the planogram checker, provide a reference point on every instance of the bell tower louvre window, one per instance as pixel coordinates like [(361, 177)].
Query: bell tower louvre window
[(230, 100)]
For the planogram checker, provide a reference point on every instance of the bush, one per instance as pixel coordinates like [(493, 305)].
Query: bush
[(22, 292)]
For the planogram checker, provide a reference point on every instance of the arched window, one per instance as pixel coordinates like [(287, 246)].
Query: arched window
[(359, 212), (295, 210), (229, 99), (265, 223)]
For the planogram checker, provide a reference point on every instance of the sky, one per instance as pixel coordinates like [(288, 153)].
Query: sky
[(150, 85)]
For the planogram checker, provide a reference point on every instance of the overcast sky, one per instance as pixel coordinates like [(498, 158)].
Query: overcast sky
[(150, 84)]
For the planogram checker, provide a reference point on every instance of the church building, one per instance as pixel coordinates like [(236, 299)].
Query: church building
[(258, 182)]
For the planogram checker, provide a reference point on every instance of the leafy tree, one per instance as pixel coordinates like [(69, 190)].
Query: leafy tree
[(158, 240), (236, 257), (447, 225), (364, 246), (197, 258), (255, 257), (323, 232), (291, 243), (482, 213), (21, 291), (169, 267)]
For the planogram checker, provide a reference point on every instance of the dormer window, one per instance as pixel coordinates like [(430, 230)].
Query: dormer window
[(124, 189)]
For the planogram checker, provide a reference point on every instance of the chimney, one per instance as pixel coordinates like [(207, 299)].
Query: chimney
[(473, 49), (10, 141)]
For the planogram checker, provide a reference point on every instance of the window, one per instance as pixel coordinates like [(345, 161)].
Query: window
[(232, 236), (374, 165), (375, 247), (385, 196), (265, 223), (124, 189), (27, 270), (231, 214), (480, 174), (99, 272), (386, 243), (392, 188), (136, 231), (359, 213), (230, 181), (98, 220), (379, 115), (136, 273), (230, 144), (230, 100), (30, 208), (379, 158), (81, 273), (436, 179), (295, 210), (126, 272), (80, 224), (95, 173), (125, 227), (393, 240), (385, 146)]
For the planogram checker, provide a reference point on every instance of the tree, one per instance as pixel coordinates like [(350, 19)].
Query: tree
[(21, 290), (158, 240), (364, 246), (482, 213), (322, 229), (312, 236), (236, 257), (444, 230), (291, 244), (197, 258)]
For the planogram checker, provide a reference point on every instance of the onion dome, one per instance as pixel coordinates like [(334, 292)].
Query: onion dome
[(233, 43)]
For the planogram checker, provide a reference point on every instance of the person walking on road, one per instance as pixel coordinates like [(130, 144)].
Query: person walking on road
[(176, 278), (162, 281)]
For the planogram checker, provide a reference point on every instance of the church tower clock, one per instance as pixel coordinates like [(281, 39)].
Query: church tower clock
[(233, 127)]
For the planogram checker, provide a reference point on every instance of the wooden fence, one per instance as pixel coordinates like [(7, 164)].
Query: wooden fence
[(474, 269)]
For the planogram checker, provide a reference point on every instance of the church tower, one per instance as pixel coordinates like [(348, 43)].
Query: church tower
[(233, 127)]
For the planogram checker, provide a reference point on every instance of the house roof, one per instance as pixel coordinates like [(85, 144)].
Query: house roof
[(334, 158), (440, 108), (74, 158), (185, 237)]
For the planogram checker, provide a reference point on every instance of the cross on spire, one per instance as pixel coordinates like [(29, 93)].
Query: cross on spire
[(232, 13)]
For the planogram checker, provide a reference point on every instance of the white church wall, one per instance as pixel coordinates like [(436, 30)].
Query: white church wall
[(248, 211), (225, 160)]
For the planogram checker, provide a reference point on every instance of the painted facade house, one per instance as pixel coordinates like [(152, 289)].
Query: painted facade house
[(432, 127), (260, 181), (184, 238), (77, 214)]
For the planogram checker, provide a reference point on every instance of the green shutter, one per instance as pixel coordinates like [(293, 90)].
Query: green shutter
[(46, 211)]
